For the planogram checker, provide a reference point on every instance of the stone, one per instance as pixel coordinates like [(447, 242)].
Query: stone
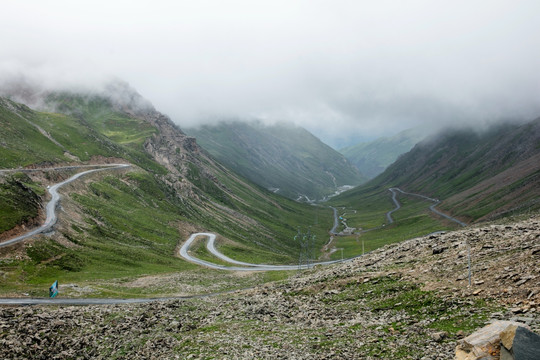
[(439, 336), (483, 344), (519, 343), (439, 250), (507, 336)]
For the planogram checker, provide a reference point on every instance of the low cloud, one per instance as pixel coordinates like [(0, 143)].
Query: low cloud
[(346, 70)]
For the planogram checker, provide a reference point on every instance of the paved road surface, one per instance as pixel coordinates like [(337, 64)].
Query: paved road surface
[(396, 202), (432, 207), (50, 208), (184, 252)]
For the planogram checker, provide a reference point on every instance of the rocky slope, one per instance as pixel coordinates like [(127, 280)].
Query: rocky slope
[(405, 301)]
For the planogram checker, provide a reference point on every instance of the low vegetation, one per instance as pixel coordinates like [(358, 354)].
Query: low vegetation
[(20, 200), (373, 230)]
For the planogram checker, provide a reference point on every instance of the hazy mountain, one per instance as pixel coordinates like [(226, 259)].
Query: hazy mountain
[(373, 157), (130, 221), (284, 158), (478, 175)]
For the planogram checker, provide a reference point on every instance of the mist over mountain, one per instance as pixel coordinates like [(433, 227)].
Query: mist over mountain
[(345, 71), (373, 157), (201, 233), (283, 157), (169, 172), (478, 175)]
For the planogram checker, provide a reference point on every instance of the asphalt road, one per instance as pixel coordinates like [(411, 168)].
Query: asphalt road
[(210, 245), (50, 209), (184, 250), (432, 207), (396, 202)]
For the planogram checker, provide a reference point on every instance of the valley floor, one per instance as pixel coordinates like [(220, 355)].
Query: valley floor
[(409, 300)]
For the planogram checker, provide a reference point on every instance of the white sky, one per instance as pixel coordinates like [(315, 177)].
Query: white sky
[(343, 69)]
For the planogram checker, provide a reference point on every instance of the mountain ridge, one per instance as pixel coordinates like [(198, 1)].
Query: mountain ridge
[(477, 174), (373, 157), (129, 222), (282, 157)]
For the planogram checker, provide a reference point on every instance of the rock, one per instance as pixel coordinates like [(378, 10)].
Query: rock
[(484, 343), (519, 343), (439, 336), (439, 250)]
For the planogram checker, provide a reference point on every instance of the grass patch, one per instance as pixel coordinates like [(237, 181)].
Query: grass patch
[(412, 220), (19, 200)]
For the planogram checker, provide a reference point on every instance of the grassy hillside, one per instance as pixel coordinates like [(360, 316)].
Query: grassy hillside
[(478, 175), (365, 209), (125, 224), (280, 156), (372, 158)]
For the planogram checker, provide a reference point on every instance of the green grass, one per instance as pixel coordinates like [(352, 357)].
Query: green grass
[(21, 143), (123, 129), (130, 228), (444, 315), (386, 293), (413, 219), (19, 200), (252, 255)]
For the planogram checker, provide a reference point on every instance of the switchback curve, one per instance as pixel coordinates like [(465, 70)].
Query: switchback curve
[(50, 209)]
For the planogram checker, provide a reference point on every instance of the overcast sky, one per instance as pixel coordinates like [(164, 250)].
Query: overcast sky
[(345, 70)]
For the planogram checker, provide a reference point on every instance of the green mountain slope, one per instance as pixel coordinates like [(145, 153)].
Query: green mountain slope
[(128, 222), (477, 175), (280, 156), (372, 158)]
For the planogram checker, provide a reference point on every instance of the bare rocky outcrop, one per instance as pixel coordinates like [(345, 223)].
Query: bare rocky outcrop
[(501, 340)]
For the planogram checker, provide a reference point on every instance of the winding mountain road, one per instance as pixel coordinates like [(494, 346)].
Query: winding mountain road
[(183, 252), (432, 207), (50, 209), (210, 245), (396, 202)]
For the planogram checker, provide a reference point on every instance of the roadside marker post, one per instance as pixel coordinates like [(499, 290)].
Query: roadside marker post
[(469, 261)]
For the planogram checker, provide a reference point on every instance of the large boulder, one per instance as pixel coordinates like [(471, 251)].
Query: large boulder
[(519, 343), (501, 340)]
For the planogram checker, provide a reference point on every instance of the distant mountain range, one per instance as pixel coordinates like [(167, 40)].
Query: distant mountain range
[(478, 175), (284, 158), (129, 222), (172, 186), (373, 157)]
